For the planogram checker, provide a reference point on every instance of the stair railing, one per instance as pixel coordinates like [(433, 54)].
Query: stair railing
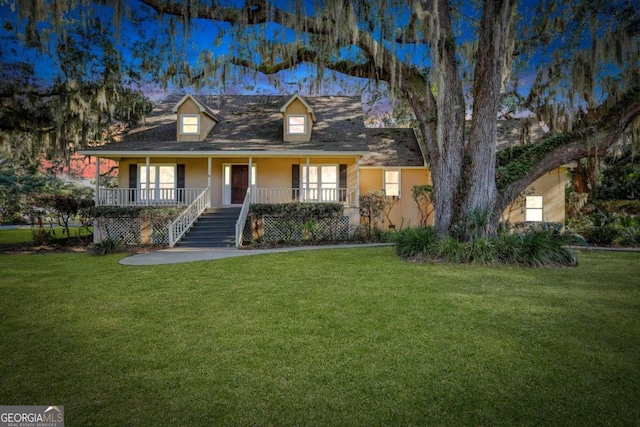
[(179, 226), (242, 218)]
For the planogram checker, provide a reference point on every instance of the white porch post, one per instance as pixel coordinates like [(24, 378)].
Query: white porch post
[(209, 180), (148, 162), (251, 179), (97, 181), (306, 190), (357, 201)]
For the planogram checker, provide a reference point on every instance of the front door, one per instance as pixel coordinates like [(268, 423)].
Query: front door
[(239, 183)]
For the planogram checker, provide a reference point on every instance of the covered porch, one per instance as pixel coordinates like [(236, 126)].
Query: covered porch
[(230, 182)]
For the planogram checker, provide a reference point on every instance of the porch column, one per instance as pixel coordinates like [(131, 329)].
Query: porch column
[(97, 181), (357, 201), (148, 162), (209, 182), (251, 178), (306, 190)]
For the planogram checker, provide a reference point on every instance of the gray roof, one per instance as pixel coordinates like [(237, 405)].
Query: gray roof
[(254, 123)]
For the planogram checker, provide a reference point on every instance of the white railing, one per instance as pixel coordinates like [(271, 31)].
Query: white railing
[(242, 218), (142, 196), (348, 196), (185, 220)]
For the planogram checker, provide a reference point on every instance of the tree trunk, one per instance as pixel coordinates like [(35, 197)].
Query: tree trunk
[(479, 191)]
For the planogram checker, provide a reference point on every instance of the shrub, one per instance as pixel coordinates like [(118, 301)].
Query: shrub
[(543, 246), (106, 246), (416, 243)]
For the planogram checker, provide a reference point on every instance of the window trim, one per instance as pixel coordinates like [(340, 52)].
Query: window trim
[(304, 124), (182, 117), (399, 183), (156, 183), (536, 209), (304, 186)]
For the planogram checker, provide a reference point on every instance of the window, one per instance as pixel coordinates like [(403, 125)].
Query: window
[(533, 208), (190, 124), (161, 185), (322, 184), (296, 125), (392, 183)]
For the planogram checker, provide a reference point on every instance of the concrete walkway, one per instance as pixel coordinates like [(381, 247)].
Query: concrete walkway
[(181, 255)]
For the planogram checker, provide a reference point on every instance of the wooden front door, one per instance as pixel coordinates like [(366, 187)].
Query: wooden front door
[(239, 183)]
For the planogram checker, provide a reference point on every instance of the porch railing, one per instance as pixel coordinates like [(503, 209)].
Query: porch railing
[(142, 196), (348, 196), (185, 220), (242, 218)]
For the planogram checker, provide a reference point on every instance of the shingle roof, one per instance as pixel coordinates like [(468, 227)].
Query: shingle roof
[(254, 123)]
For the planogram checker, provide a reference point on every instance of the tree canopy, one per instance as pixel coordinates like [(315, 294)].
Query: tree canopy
[(461, 66)]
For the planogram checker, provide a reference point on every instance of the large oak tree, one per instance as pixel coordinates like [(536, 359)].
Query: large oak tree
[(460, 66)]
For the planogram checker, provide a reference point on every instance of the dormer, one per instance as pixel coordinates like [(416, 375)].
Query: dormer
[(194, 119), (298, 118)]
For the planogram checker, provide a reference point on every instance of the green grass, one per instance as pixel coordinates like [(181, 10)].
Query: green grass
[(24, 235), (334, 337)]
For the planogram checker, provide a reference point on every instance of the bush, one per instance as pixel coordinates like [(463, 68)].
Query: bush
[(416, 243), (106, 246), (543, 245)]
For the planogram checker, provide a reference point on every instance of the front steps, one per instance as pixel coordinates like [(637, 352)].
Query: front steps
[(215, 228)]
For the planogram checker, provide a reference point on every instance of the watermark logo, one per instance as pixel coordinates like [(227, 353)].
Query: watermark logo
[(31, 416)]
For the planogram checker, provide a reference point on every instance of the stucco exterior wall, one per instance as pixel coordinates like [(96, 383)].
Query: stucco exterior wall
[(297, 108), (552, 187), (276, 173), (405, 212), (206, 122)]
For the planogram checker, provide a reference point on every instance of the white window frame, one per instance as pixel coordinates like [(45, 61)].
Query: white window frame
[(289, 124), (182, 124), (307, 194), (142, 174), (534, 208), (387, 183)]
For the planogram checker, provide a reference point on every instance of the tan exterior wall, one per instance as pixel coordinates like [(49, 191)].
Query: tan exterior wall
[(206, 122), (297, 108), (276, 173), (552, 187), (405, 212)]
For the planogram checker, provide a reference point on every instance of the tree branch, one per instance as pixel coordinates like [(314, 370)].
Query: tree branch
[(596, 138)]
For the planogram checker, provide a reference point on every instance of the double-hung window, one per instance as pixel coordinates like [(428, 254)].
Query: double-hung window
[(189, 124), (296, 125), (392, 183), (533, 208), (320, 183), (159, 185)]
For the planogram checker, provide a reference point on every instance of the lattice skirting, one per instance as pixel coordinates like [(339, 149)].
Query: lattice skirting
[(276, 229), (134, 231)]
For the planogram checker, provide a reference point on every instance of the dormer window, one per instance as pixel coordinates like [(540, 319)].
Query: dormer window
[(296, 125), (190, 124)]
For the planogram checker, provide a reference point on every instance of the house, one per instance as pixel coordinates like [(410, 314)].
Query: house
[(201, 152)]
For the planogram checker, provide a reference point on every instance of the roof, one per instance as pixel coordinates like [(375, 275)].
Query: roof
[(253, 124)]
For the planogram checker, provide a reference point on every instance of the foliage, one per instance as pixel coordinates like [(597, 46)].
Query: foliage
[(607, 228), (106, 247), (146, 212), (416, 243), (306, 211), (619, 183), (541, 245), (423, 196), (375, 206), (66, 203)]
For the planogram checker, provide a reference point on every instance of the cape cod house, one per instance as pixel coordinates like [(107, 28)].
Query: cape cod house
[(228, 152)]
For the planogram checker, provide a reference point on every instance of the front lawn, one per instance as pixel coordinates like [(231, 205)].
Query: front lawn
[(332, 337)]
